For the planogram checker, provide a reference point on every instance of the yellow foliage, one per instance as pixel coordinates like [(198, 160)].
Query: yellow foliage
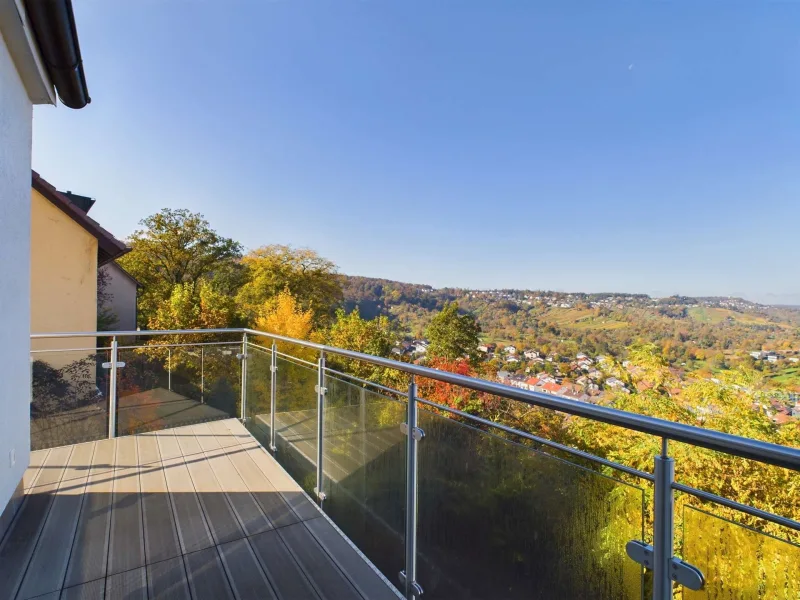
[(283, 316)]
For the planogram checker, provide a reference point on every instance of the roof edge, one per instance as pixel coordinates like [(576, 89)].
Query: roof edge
[(109, 247)]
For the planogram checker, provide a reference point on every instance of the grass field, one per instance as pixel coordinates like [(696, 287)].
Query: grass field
[(788, 377), (580, 319), (705, 314)]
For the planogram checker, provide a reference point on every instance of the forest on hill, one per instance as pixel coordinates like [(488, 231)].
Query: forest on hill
[(705, 333)]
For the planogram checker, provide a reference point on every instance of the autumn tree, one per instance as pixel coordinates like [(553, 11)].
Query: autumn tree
[(311, 280), (284, 316), (193, 305), (174, 247), (453, 335), (370, 336)]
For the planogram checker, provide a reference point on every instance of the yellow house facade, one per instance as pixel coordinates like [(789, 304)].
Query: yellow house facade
[(67, 247)]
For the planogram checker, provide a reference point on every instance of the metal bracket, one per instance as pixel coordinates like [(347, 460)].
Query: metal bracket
[(273, 369), (416, 433), (273, 448), (107, 365), (320, 390), (416, 588), (240, 356), (320, 495), (681, 572)]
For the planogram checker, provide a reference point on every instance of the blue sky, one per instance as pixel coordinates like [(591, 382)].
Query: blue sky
[(577, 146)]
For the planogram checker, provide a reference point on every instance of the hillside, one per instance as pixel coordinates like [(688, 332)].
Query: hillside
[(695, 333)]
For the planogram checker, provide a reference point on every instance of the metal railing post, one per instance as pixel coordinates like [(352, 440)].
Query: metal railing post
[(408, 577), (320, 424), (664, 522), (202, 376), (169, 369), (112, 392), (244, 378), (272, 396)]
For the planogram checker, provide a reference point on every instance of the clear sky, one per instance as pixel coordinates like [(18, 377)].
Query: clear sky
[(646, 147)]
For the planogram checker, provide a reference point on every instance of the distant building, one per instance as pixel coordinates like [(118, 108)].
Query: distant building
[(510, 349)]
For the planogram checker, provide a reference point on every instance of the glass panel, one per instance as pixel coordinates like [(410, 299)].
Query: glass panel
[(738, 562), (259, 379), (162, 387), (364, 462), (222, 381), (69, 397), (296, 421), (499, 520)]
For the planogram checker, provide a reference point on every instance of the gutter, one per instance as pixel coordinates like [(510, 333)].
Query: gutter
[(53, 23)]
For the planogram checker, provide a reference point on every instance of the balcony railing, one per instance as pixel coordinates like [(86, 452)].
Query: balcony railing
[(443, 502)]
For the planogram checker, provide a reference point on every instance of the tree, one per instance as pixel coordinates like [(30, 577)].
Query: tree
[(174, 247), (283, 315), (311, 279), (370, 336), (452, 335), (194, 305)]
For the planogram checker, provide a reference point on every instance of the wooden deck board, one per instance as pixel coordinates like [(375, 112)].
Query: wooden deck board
[(196, 512), (244, 572), (126, 544), (48, 565), (167, 580), (20, 541), (160, 536)]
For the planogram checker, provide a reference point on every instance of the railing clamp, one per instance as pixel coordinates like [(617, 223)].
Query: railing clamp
[(107, 365), (681, 572), (273, 369), (320, 390), (320, 495), (416, 588), (417, 433)]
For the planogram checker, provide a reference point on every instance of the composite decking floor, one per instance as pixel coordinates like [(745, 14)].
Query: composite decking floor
[(199, 512)]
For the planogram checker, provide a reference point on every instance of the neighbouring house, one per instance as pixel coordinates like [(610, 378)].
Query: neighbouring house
[(510, 349), (530, 354), (123, 291), (30, 73), (67, 248)]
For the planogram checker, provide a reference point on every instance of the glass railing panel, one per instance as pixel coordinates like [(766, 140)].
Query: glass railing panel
[(364, 464), (161, 387), (69, 397), (296, 420), (259, 380), (222, 379), (738, 562), (499, 520)]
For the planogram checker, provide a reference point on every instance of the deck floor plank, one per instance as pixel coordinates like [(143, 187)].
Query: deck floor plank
[(160, 536), (167, 580), (193, 532), (126, 544), (244, 572), (19, 543), (89, 558), (207, 578), (48, 565), (285, 575), (128, 585)]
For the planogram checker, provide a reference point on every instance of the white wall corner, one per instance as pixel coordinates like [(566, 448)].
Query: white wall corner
[(20, 40)]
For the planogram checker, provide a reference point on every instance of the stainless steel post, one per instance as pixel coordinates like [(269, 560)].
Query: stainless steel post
[(112, 392), (202, 375), (320, 424), (244, 378), (664, 515), (169, 369), (272, 396), (408, 577)]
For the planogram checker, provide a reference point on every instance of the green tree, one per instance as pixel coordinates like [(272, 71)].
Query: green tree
[(452, 335), (174, 247), (371, 336), (311, 279)]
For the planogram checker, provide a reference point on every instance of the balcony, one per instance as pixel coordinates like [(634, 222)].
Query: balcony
[(236, 463)]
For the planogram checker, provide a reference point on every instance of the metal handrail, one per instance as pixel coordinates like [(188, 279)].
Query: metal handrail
[(765, 452)]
